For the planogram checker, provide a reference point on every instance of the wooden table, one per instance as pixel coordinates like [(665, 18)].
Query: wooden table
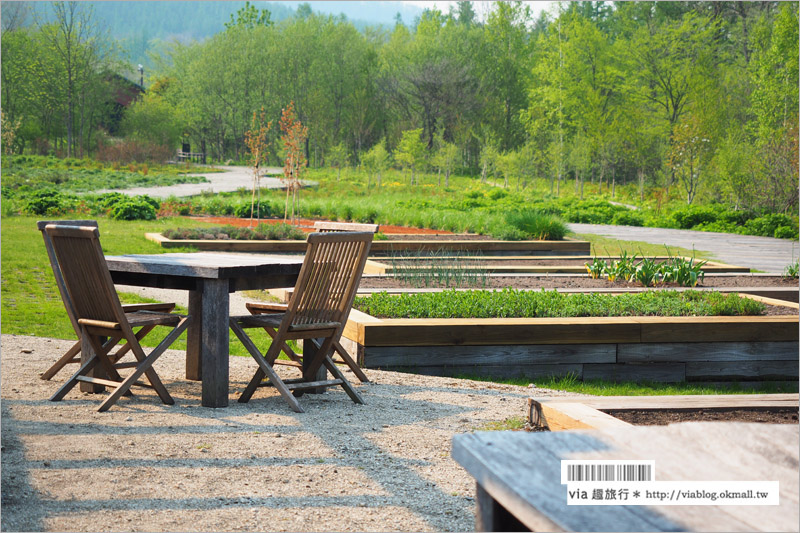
[(209, 278), (518, 476)]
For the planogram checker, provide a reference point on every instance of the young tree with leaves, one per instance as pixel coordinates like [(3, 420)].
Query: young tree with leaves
[(294, 164), (376, 161), (256, 140), (410, 151)]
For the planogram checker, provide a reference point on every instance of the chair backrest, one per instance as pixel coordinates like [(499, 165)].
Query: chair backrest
[(329, 277), (85, 274), (324, 226), (48, 245)]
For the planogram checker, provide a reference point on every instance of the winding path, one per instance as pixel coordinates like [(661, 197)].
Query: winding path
[(230, 179), (760, 253)]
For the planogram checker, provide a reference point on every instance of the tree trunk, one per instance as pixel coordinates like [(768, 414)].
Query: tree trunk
[(641, 184)]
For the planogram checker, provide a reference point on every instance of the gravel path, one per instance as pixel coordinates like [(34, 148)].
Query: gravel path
[(231, 179), (761, 253), (144, 466)]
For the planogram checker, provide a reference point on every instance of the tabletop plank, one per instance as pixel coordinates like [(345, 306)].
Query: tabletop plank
[(206, 264)]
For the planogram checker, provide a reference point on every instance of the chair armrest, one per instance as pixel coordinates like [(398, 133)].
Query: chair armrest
[(262, 308), (162, 307)]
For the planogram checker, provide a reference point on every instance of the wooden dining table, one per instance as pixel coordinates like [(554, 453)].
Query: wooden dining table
[(210, 278)]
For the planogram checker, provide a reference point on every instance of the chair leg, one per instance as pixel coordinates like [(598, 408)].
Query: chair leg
[(348, 388), (71, 382), (265, 369), (146, 367), (64, 360), (350, 362)]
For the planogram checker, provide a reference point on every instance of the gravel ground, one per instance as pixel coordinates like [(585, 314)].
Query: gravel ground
[(144, 466)]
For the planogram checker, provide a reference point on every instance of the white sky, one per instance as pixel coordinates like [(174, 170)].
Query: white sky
[(480, 6)]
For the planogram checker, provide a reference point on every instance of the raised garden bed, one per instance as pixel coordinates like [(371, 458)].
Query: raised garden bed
[(390, 246), (559, 413), (657, 349)]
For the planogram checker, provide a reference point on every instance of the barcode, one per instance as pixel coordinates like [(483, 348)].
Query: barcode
[(576, 471)]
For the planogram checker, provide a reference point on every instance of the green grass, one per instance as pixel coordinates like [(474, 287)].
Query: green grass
[(511, 303), (596, 387), (608, 246), (31, 304)]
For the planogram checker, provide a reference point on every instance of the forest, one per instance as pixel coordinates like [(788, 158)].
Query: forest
[(692, 98)]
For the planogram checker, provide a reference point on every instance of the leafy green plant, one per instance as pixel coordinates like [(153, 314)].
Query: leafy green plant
[(683, 271), (133, 208), (792, 270), (510, 303), (596, 268), (647, 272), (623, 268)]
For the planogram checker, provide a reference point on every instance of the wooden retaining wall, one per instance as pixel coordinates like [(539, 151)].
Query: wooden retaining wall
[(614, 348)]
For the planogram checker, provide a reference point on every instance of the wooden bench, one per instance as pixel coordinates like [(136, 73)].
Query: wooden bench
[(324, 226), (519, 487)]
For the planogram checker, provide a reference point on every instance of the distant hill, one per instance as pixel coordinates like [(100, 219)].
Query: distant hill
[(140, 26)]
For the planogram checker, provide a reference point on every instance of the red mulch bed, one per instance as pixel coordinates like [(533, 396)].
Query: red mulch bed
[(307, 225)]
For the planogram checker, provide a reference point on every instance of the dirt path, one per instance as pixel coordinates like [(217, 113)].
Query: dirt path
[(231, 179), (144, 466), (760, 253)]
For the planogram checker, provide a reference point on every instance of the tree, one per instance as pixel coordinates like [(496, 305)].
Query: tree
[(689, 153), (294, 164), (376, 161), (78, 54), (337, 156), (256, 140), (445, 159), (410, 151)]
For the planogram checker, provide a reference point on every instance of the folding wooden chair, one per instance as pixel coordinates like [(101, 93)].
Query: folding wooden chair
[(101, 318), (317, 309), (259, 308), (73, 355)]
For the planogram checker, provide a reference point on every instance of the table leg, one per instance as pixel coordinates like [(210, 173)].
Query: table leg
[(491, 516), (214, 342), (310, 347), (194, 337)]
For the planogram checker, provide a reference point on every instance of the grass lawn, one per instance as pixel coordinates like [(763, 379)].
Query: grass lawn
[(31, 304)]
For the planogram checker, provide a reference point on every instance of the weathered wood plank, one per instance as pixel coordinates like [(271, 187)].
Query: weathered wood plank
[(194, 338), (659, 372), (715, 329), (522, 472), (511, 355), (565, 415), (433, 332), (707, 351), (496, 371), (732, 370), (682, 401)]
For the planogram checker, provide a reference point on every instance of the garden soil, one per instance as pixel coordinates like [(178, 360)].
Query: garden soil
[(145, 466)]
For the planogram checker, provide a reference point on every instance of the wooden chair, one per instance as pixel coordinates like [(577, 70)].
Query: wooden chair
[(73, 354), (101, 318), (258, 308), (317, 309)]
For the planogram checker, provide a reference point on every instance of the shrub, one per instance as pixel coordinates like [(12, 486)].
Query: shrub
[(133, 208), (537, 225), (45, 201), (691, 216), (767, 224), (786, 232), (628, 218)]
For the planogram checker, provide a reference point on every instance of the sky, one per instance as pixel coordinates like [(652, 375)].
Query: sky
[(444, 5)]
